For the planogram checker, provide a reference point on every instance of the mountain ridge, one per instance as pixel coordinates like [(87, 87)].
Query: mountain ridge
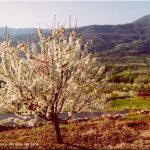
[(107, 28), (122, 39), (144, 19)]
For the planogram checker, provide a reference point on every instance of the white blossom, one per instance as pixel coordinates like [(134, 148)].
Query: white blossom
[(60, 77)]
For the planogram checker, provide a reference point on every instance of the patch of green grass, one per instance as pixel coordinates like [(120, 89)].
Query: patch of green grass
[(124, 73), (43, 128), (130, 103), (2, 112), (10, 136), (66, 126), (33, 138), (138, 117)]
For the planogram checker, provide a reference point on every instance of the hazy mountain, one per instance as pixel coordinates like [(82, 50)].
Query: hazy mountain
[(117, 40), (20, 34), (144, 20)]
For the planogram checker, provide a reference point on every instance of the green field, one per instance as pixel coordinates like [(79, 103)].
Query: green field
[(1, 112), (130, 103)]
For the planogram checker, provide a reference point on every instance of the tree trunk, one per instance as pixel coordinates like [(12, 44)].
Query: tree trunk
[(57, 130)]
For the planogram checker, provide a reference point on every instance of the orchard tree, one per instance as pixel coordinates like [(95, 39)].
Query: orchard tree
[(59, 76)]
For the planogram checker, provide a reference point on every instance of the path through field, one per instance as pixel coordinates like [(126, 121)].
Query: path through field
[(64, 115)]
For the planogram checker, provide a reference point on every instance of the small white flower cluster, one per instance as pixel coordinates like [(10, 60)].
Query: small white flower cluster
[(30, 123), (19, 122), (4, 121)]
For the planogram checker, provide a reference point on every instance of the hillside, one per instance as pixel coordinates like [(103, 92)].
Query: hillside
[(144, 20), (131, 39)]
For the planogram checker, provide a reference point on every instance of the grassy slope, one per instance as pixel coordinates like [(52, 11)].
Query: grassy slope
[(2, 112), (130, 103)]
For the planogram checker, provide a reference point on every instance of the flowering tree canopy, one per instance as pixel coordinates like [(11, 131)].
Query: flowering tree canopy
[(60, 76)]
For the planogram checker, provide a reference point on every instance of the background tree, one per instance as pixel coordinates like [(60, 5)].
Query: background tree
[(60, 76)]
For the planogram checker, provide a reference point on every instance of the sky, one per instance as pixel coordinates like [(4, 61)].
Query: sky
[(25, 14)]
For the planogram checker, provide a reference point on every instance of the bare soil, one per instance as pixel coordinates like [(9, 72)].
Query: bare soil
[(91, 134)]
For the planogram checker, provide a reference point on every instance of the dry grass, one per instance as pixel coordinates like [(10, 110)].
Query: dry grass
[(104, 133)]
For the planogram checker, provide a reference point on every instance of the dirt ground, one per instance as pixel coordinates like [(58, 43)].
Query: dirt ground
[(92, 134)]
